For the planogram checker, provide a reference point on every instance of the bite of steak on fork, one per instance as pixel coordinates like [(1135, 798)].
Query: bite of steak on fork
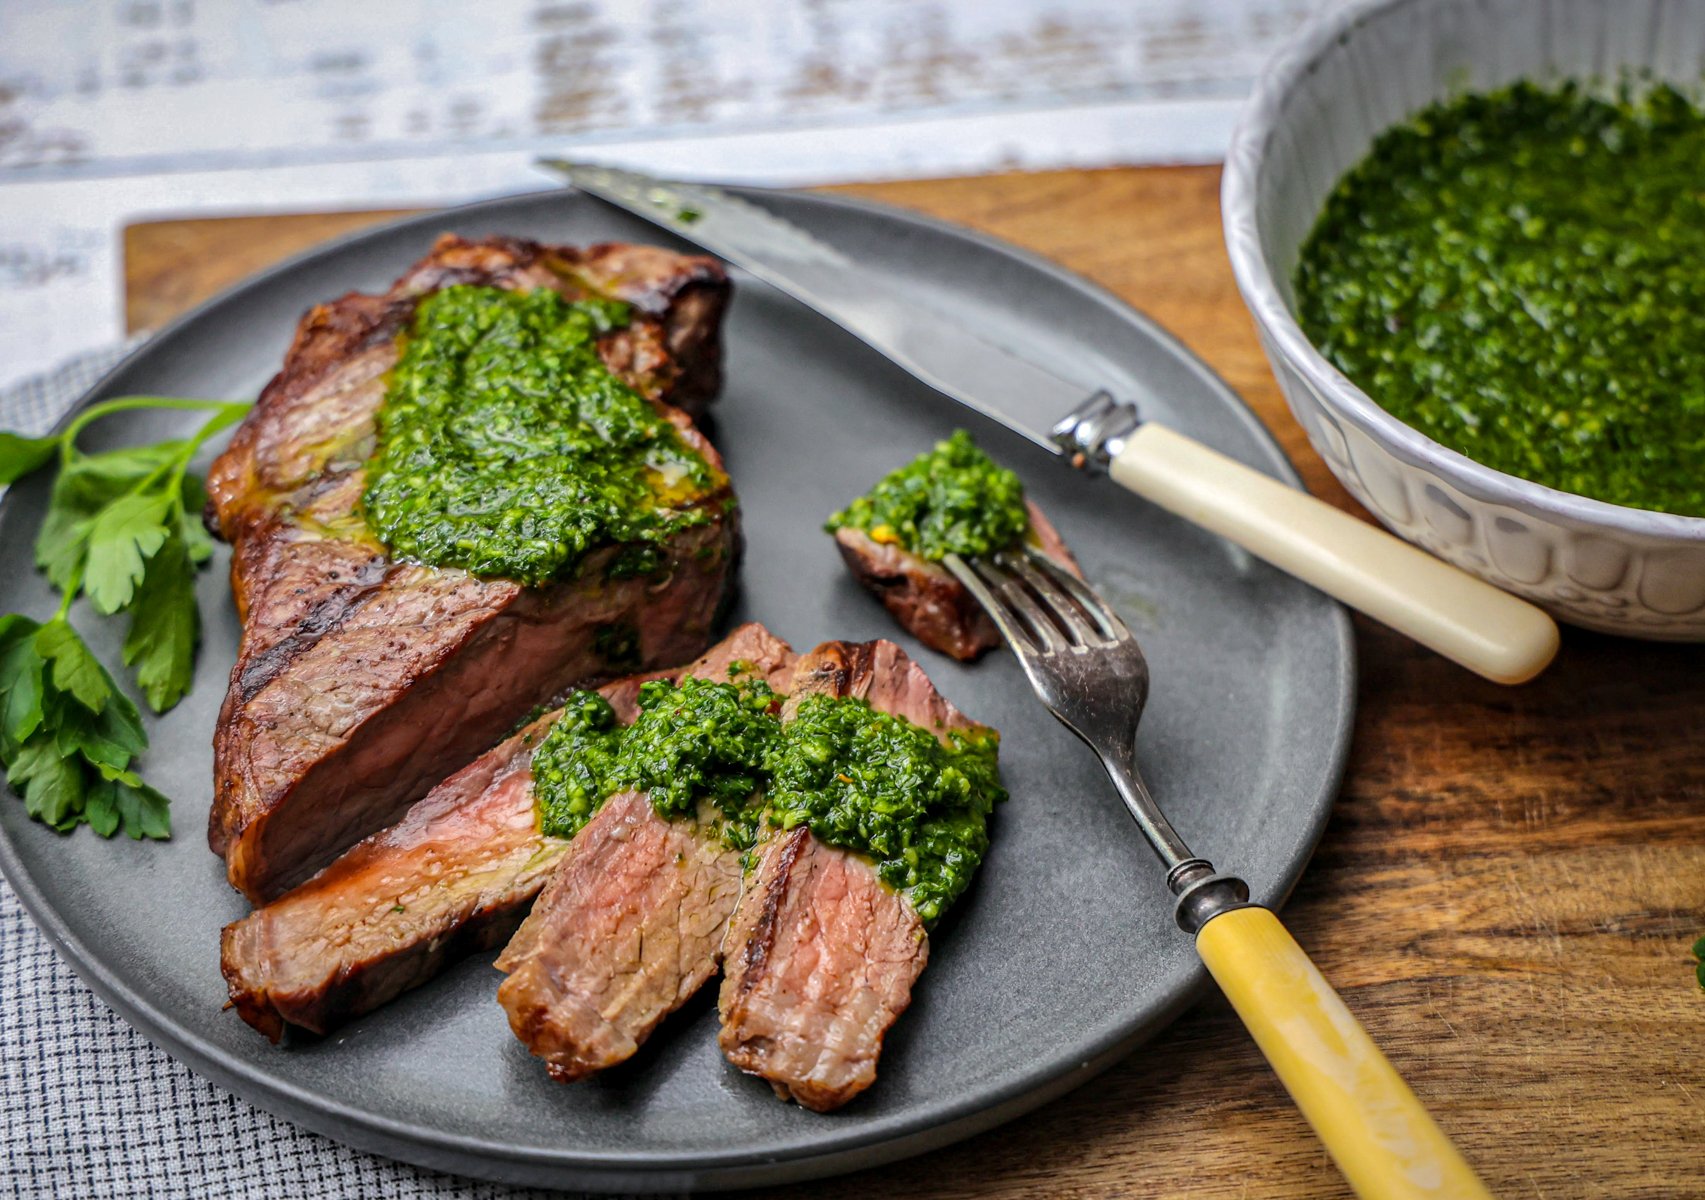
[(925, 599)]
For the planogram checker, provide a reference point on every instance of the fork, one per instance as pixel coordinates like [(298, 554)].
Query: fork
[(1089, 671)]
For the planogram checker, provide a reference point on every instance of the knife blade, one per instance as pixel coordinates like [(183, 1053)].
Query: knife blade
[(1489, 631), (1026, 398)]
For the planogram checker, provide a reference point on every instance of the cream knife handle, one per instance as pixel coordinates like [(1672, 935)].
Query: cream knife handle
[(1489, 631)]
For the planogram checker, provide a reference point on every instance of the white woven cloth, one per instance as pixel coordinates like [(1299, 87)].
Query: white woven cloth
[(90, 1108)]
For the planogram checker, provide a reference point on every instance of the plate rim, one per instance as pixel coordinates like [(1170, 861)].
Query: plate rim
[(821, 1151)]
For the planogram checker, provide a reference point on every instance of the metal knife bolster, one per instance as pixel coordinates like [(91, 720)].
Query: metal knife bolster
[(983, 375), (1093, 434)]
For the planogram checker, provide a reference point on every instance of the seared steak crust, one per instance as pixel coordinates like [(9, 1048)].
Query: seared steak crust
[(455, 875), (451, 877), (927, 601), (821, 955), (628, 928), (362, 681)]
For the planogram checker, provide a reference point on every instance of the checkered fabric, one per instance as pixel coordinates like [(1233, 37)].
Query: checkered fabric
[(89, 1108)]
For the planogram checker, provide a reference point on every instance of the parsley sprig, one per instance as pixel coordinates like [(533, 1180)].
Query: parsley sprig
[(122, 530)]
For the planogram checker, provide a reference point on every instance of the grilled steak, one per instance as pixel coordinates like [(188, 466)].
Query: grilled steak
[(455, 875), (927, 601), (627, 930), (361, 682), (821, 955)]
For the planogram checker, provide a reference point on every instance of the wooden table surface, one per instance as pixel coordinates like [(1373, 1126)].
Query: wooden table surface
[(1508, 889)]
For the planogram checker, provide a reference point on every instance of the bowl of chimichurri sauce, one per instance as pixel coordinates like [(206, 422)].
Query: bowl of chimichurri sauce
[(1472, 235)]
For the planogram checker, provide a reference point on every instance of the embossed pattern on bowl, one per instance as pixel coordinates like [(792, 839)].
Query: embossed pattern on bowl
[(1315, 112)]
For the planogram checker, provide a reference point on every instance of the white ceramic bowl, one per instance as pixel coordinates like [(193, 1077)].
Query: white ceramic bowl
[(1314, 114)]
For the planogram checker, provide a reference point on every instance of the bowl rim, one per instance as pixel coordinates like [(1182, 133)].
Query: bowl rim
[(1245, 159)]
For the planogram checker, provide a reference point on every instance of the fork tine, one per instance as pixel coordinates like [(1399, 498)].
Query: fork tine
[(1016, 637), (1056, 600), (1098, 610), (1014, 598)]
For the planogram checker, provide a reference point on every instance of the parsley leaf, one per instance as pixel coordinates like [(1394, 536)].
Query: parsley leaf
[(20, 455), (73, 668), (145, 811), (109, 738), (53, 786), (197, 540), (1699, 953), (84, 487), (35, 759), (122, 529), (122, 538), (165, 626), (68, 758), (100, 808), (20, 682)]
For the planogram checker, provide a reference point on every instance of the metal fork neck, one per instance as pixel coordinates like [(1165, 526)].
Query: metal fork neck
[(1202, 893), (1121, 768), (1087, 668)]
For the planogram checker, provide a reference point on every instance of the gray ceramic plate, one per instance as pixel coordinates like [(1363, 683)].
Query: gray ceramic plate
[(1060, 960)]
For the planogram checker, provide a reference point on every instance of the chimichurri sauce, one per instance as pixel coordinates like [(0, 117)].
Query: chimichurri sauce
[(862, 780), (695, 741), (874, 783), (952, 500), (1520, 275), (507, 448), (572, 763)]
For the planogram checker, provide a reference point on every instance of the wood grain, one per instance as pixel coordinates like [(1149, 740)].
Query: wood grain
[(170, 266), (1507, 891)]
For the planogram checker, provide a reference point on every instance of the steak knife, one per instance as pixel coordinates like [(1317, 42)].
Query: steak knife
[(1487, 630)]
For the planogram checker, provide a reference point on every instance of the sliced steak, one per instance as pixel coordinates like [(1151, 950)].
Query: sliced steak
[(821, 955), (627, 930), (925, 599), (455, 875), (626, 933), (361, 682)]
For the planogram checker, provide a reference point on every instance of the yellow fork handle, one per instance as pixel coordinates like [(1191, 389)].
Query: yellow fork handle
[(1374, 1126)]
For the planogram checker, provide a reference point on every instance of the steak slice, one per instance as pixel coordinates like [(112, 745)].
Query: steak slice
[(455, 875), (627, 930), (927, 601), (821, 955), (626, 933), (361, 682)]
